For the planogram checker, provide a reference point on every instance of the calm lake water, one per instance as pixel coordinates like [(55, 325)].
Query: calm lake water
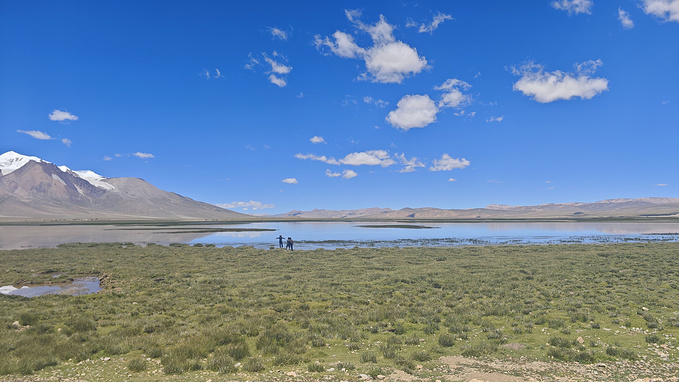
[(330, 235)]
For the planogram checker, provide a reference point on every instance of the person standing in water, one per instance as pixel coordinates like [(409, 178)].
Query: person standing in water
[(280, 241)]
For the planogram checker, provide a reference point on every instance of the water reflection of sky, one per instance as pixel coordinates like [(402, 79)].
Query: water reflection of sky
[(310, 235), (85, 285)]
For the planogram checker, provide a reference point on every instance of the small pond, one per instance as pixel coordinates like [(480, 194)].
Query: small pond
[(79, 286)]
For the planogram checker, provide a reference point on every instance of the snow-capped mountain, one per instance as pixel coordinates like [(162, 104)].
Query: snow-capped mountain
[(32, 188), (12, 161)]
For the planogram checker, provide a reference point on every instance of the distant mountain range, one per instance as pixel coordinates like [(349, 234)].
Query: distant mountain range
[(612, 208), (34, 189)]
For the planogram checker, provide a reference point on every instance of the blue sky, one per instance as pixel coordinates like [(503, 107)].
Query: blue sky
[(265, 107)]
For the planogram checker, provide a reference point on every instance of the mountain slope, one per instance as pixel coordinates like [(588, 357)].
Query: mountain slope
[(36, 189)]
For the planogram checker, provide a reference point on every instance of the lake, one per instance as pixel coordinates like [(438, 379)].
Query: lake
[(330, 235)]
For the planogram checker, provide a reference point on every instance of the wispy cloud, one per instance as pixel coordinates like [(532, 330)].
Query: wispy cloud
[(245, 206), (143, 155), (495, 119), (278, 33), (625, 20), (276, 67), (661, 184), (320, 158), (66, 141), (452, 180), (409, 164), (376, 102), (432, 25), (386, 61), (316, 139), (60, 116), (546, 87), (36, 134), (280, 82), (331, 174), (666, 10), (212, 75), (447, 163), (290, 180), (574, 6)]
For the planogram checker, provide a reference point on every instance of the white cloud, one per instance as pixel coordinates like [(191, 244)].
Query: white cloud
[(452, 83), (387, 61), (348, 174), (452, 180), (453, 96), (143, 155), (438, 19), (447, 163), (58, 115), (667, 10), (413, 111), (252, 62), (208, 75), (290, 180), (277, 80), (316, 139), (253, 205), (547, 87), (376, 102), (321, 158), (277, 67), (343, 45), (410, 164), (369, 158), (495, 119), (391, 62), (36, 134), (661, 185), (278, 33), (574, 6), (625, 20), (331, 174), (67, 142), (107, 158)]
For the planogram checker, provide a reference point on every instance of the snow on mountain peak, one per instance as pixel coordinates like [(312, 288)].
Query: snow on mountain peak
[(12, 161)]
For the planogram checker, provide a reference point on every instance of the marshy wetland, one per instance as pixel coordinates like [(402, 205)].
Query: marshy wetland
[(585, 312)]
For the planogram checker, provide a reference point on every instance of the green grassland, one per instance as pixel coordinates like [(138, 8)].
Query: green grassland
[(184, 312)]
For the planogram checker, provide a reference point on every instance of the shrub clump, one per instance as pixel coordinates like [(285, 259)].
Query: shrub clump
[(137, 365), (446, 340)]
